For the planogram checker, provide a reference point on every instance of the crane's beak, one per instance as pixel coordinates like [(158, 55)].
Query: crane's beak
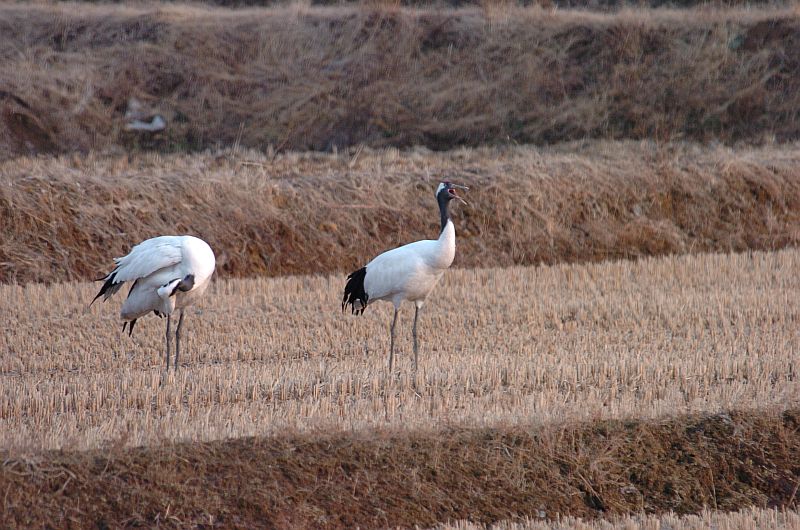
[(459, 186)]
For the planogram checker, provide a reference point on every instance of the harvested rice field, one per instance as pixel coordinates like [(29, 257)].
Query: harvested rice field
[(615, 345), (541, 357), (537, 345)]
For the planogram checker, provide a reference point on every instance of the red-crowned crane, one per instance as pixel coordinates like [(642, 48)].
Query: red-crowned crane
[(168, 273), (408, 273)]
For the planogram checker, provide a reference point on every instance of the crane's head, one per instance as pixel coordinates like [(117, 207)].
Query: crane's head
[(447, 191)]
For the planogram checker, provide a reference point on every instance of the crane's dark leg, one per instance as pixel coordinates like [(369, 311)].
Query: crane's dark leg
[(414, 332), (178, 340), (391, 343), (169, 339)]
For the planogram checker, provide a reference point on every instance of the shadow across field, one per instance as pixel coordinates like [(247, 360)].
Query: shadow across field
[(384, 478)]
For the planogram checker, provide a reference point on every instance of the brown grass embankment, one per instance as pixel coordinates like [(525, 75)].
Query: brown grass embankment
[(65, 218), (303, 78), (526, 346), (385, 479)]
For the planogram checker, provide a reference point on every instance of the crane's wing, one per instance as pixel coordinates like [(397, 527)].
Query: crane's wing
[(147, 257), (143, 260), (390, 272)]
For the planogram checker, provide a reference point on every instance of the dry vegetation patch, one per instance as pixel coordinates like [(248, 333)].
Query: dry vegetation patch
[(64, 218), (319, 78)]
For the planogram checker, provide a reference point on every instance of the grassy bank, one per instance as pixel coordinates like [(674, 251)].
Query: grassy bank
[(64, 218), (298, 78)]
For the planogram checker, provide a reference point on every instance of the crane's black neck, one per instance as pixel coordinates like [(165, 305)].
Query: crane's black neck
[(444, 201)]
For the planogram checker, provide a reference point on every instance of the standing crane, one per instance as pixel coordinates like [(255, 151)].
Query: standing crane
[(168, 273), (408, 273)]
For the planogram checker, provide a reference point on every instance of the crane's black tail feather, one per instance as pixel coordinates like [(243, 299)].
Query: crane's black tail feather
[(109, 287), (354, 292)]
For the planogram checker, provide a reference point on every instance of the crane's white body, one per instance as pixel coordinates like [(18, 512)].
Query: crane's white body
[(155, 266), (168, 273), (412, 271), (408, 273)]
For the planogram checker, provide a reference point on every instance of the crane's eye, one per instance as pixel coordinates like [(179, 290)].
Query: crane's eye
[(451, 191)]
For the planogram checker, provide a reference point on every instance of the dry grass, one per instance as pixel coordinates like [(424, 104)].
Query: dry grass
[(301, 78), (64, 218), (751, 519), (521, 345)]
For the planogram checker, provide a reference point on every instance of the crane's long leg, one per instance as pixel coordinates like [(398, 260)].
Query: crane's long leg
[(414, 332), (169, 339), (391, 342), (178, 340)]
